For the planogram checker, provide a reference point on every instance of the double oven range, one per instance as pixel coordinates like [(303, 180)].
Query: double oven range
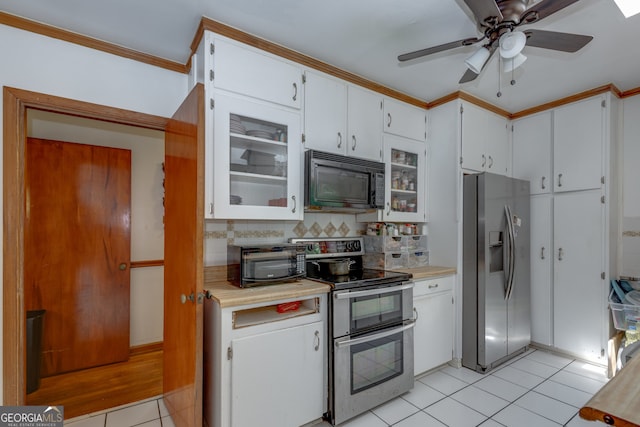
[(370, 327)]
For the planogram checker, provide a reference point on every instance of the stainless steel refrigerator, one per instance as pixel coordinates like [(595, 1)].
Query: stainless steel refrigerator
[(496, 276)]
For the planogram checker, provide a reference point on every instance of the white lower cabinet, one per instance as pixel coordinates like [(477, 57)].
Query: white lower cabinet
[(433, 313), (541, 214), (262, 367), (276, 376), (580, 290)]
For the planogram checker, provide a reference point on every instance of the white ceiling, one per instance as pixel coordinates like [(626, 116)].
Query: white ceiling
[(366, 36)]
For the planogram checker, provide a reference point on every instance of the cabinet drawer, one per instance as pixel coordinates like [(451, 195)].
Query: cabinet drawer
[(431, 286), (386, 261)]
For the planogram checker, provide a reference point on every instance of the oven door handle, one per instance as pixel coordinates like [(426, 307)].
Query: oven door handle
[(369, 292), (408, 325)]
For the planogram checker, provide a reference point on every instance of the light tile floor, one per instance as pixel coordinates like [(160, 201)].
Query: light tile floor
[(537, 389)]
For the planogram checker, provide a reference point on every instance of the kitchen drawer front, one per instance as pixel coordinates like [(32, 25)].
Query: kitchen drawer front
[(432, 286)]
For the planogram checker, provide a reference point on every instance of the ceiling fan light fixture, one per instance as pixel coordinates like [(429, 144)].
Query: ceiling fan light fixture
[(512, 63), (512, 43), (476, 61), (628, 7)]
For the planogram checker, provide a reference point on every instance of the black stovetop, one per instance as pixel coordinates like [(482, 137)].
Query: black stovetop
[(357, 278), (345, 247)]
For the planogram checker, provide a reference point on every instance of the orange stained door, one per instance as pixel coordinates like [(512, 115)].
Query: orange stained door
[(183, 261), (77, 251)]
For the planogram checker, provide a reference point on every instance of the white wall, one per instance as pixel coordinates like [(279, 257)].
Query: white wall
[(41, 64)]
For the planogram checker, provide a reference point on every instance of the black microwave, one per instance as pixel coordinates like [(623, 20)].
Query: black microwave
[(254, 265), (342, 183)]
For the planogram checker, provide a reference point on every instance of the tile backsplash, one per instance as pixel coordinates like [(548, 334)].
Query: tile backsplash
[(219, 233)]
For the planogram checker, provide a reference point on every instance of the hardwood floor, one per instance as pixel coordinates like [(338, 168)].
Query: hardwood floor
[(90, 390)]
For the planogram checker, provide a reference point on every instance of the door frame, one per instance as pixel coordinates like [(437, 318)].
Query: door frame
[(16, 102)]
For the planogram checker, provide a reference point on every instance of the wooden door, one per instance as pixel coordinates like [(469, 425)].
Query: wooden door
[(77, 251), (183, 261)]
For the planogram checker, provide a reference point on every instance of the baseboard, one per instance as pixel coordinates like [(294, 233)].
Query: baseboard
[(146, 348)]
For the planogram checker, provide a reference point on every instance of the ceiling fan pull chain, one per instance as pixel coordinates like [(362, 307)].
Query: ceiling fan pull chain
[(499, 94), (513, 77)]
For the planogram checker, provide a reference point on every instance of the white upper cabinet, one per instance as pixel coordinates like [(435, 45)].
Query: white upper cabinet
[(325, 113), (485, 140), (341, 118), (532, 151), (247, 71), (578, 135), (405, 120), (406, 186), (364, 119), (405, 182), (257, 158)]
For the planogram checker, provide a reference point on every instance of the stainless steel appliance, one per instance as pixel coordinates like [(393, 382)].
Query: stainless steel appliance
[(342, 183), (496, 313), (255, 265), (370, 329)]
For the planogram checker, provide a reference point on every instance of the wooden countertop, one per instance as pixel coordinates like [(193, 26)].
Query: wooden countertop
[(429, 272), (228, 295), (617, 401)]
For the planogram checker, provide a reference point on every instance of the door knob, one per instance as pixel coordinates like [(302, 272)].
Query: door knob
[(122, 266), (184, 298)]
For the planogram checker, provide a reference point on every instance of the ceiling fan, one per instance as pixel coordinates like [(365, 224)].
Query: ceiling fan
[(498, 21)]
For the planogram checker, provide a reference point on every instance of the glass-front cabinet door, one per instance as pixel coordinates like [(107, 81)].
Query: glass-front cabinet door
[(406, 162), (257, 157)]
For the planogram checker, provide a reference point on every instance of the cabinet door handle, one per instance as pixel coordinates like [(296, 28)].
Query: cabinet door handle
[(316, 341), (415, 314), (490, 161), (543, 185), (353, 146), (388, 120), (560, 254), (295, 91), (388, 208), (295, 204), (542, 253), (433, 286), (339, 140), (559, 180), (484, 160)]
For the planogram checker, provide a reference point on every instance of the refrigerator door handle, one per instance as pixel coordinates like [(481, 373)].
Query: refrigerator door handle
[(510, 253)]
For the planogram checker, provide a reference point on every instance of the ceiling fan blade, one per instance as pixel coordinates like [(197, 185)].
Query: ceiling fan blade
[(549, 7), (484, 9), (564, 42), (436, 49), (468, 76)]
